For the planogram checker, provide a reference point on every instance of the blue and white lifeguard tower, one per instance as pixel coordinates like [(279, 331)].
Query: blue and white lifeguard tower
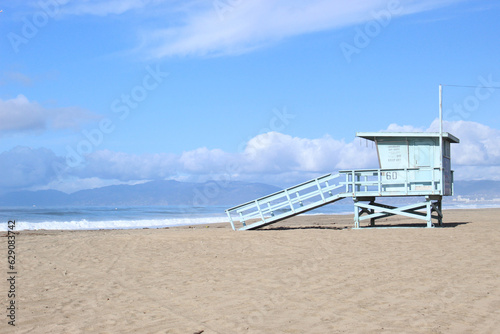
[(411, 164)]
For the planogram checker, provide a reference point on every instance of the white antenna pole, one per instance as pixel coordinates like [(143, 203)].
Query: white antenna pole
[(441, 111), (441, 133)]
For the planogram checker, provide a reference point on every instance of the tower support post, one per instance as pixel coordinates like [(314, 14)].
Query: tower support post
[(367, 208)]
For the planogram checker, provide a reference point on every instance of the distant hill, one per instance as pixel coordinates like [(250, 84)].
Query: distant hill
[(150, 193), (187, 193)]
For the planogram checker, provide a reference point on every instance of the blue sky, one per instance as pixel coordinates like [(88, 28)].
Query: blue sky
[(95, 92)]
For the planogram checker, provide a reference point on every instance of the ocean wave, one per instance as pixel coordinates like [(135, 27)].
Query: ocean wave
[(113, 224)]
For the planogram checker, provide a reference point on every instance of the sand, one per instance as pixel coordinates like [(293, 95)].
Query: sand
[(310, 274)]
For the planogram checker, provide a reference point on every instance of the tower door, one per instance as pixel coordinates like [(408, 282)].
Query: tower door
[(423, 153)]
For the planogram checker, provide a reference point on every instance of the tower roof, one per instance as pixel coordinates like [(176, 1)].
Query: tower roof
[(374, 135)]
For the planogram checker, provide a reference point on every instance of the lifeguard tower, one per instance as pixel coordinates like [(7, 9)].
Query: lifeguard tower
[(411, 164)]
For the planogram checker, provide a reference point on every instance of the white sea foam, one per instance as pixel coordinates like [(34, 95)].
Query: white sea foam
[(113, 224)]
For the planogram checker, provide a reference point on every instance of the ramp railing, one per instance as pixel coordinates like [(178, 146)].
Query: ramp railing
[(285, 203)]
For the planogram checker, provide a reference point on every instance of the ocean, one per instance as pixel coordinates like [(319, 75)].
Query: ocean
[(134, 217), (101, 217), (128, 217)]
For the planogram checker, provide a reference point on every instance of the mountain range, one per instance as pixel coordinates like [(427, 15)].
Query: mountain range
[(188, 193), (150, 193)]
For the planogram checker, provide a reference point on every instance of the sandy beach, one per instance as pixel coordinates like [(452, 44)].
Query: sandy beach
[(309, 274)]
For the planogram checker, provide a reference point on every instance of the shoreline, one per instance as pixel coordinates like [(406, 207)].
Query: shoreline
[(344, 219)]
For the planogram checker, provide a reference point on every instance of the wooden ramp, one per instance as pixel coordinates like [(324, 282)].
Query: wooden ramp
[(286, 203)]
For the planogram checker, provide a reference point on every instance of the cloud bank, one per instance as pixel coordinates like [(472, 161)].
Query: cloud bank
[(23, 167), (273, 157), (19, 115)]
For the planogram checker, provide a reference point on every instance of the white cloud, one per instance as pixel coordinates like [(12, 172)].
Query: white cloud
[(22, 167), (402, 128), (275, 152), (272, 156), (125, 167), (203, 160), (19, 114), (240, 26), (479, 144), (221, 27), (231, 27), (73, 184)]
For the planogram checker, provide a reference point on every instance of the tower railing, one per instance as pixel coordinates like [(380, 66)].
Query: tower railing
[(392, 182)]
